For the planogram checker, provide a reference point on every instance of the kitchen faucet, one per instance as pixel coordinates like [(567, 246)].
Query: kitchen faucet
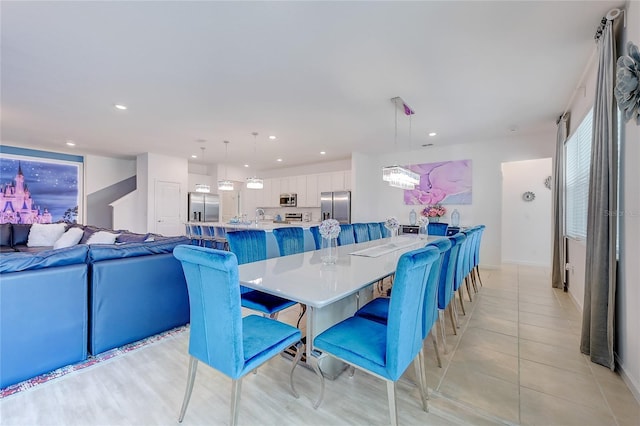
[(259, 214)]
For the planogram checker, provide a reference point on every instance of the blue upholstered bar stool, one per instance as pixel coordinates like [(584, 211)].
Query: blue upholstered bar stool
[(251, 246), (317, 238), (346, 235), (385, 350), (219, 336), (361, 232), (374, 231), (438, 228)]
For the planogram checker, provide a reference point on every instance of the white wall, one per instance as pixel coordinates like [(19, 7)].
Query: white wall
[(628, 294), (526, 225), (487, 158), (101, 172)]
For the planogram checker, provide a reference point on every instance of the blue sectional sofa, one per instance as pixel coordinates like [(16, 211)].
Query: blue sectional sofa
[(44, 320), (59, 306)]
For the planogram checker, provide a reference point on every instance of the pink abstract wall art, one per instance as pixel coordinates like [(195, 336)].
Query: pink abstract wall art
[(446, 182)]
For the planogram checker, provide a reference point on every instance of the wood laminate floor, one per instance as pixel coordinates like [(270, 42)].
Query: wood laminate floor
[(515, 360)]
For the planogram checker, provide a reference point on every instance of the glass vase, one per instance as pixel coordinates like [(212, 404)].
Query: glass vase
[(423, 230), (329, 251)]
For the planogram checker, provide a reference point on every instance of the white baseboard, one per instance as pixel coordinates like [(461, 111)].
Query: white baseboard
[(525, 263), (629, 381)]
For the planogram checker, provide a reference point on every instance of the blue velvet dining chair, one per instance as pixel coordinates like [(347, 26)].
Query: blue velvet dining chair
[(251, 246), (386, 350), (445, 287), (361, 232), (317, 238), (459, 275), (475, 271), (378, 309), (438, 228), (384, 232), (219, 336), (290, 240), (374, 231), (346, 235)]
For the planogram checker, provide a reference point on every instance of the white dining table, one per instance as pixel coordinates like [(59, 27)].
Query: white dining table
[(331, 292)]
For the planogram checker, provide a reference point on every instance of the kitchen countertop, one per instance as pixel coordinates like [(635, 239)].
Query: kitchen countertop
[(265, 225)]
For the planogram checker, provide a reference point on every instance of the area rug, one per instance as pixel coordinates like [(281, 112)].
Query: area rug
[(92, 360)]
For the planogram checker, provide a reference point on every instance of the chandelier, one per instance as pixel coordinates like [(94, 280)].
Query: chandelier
[(255, 182), (225, 184), (398, 176), (202, 187)]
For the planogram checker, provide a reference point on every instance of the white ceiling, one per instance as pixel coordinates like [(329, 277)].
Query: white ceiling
[(318, 75)]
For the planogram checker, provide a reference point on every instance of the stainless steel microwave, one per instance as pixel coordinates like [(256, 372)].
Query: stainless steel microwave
[(288, 200)]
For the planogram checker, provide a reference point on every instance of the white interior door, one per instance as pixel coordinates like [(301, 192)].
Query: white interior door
[(168, 204)]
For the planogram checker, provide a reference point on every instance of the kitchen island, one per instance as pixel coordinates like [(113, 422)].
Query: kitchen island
[(268, 226)]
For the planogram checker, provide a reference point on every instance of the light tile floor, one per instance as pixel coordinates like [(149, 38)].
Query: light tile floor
[(515, 360)]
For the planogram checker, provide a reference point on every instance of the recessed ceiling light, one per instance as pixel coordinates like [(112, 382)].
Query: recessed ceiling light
[(272, 138), (120, 106), (322, 153), (432, 134), (246, 165), (194, 156), (279, 160), (71, 143)]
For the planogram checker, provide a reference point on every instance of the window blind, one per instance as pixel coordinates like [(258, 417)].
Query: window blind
[(577, 164)]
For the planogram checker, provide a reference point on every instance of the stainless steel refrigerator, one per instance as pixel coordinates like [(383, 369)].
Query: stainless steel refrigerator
[(336, 205), (204, 207)]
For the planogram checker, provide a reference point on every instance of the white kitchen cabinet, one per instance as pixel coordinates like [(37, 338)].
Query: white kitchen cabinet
[(275, 192), (285, 185), (324, 182), (347, 180), (337, 181), (264, 194), (300, 188), (248, 202), (313, 194)]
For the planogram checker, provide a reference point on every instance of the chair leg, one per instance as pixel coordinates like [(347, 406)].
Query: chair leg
[(299, 351), (236, 387), (391, 395), (478, 273), (417, 362), (472, 274), (423, 362), (316, 367), (303, 309), (454, 305), (435, 346), (442, 329), (454, 323), (352, 371), (466, 282), (461, 301), (191, 377)]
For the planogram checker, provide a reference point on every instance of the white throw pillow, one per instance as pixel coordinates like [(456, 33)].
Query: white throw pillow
[(69, 238), (102, 237), (45, 235)]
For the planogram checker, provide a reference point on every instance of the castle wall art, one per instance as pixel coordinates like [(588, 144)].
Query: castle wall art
[(38, 191), (446, 182)]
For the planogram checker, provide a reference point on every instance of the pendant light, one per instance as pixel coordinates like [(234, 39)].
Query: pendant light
[(255, 182), (202, 187), (225, 184), (398, 176)]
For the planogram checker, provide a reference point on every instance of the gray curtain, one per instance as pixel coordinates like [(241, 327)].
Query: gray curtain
[(600, 281), (558, 272)]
